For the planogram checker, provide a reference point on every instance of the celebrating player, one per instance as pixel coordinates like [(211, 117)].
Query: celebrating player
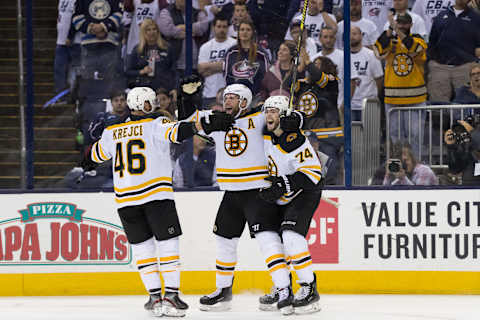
[(295, 176), (142, 176), (241, 170)]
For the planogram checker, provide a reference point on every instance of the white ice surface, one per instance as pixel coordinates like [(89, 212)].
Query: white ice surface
[(245, 307)]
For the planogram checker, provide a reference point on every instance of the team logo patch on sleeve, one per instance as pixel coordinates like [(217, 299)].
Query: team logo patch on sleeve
[(291, 137), (236, 142)]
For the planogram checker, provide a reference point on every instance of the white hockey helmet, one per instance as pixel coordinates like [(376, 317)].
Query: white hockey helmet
[(277, 102), (137, 96), (242, 91)]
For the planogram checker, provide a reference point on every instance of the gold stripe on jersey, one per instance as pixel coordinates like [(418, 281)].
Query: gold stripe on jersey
[(310, 174), (143, 185), (98, 155), (242, 174), (128, 199), (250, 115), (128, 123), (324, 133)]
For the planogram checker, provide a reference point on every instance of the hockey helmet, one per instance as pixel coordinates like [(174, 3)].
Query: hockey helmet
[(137, 96), (277, 102), (242, 91)]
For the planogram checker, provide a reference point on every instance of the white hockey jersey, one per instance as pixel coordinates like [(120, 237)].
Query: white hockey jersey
[(240, 161), (142, 11), (303, 159), (140, 153)]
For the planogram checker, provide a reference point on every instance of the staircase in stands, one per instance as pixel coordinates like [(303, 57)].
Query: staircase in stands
[(54, 133)]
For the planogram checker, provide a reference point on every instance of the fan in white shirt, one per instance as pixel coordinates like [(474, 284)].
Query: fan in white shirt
[(212, 57), (368, 70), (429, 9), (327, 39), (369, 29), (376, 11), (315, 20), (418, 26)]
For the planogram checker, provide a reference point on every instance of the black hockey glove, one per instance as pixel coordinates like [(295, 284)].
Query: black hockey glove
[(280, 186), (217, 121), (293, 122), (191, 85)]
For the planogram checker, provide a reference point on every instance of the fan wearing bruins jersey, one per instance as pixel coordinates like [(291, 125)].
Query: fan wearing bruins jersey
[(317, 97), (295, 176), (142, 176), (241, 170)]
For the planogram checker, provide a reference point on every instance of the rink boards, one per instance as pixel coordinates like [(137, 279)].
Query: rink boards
[(361, 241)]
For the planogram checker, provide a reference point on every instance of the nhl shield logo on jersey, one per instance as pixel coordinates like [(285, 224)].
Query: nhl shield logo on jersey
[(272, 167), (402, 64), (236, 142), (308, 103), (99, 9)]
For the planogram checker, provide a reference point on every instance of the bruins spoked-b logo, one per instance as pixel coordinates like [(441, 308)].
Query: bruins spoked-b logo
[(308, 103), (272, 167), (236, 142), (402, 64)]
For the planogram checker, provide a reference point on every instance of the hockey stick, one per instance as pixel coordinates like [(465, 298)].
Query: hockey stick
[(297, 57), (330, 201)]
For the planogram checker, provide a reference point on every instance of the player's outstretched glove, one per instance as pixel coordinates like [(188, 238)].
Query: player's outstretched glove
[(191, 85), (217, 121), (279, 187), (292, 122)]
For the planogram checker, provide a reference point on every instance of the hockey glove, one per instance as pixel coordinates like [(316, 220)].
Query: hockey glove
[(217, 121), (280, 186), (292, 122), (191, 85)]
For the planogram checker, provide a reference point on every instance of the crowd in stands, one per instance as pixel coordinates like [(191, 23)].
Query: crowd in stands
[(404, 53)]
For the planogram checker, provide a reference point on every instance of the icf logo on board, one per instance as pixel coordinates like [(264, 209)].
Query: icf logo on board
[(323, 234)]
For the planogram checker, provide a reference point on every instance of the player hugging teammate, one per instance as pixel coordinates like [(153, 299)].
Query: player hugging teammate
[(246, 176)]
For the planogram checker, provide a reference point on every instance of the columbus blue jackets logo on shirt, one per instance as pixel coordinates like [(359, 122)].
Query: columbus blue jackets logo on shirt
[(245, 69), (99, 9), (308, 103), (235, 142), (402, 64)]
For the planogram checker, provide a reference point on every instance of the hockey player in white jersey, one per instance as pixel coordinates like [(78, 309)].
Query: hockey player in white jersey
[(241, 170), (142, 176), (295, 176)]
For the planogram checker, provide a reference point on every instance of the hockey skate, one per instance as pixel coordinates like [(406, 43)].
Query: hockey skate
[(269, 301), (172, 305), (154, 305), (285, 300), (219, 300), (307, 298)]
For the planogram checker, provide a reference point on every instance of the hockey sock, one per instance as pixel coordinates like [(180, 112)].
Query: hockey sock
[(272, 249), (145, 255), (296, 247), (169, 263), (226, 260)]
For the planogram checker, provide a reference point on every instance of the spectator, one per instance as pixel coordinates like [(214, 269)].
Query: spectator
[(418, 24), (454, 45), (315, 20), (307, 42), (470, 93), (405, 56), (214, 7), (368, 28), (211, 60), (368, 70), (172, 25), (327, 39), (65, 49), (377, 12), (278, 79), (152, 62), (246, 62), (240, 13), (139, 10), (165, 103), (428, 10), (475, 5), (464, 156), (100, 23), (410, 171), (203, 166)]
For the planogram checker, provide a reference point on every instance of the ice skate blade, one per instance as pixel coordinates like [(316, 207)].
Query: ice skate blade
[(156, 311), (311, 308), (268, 307), (220, 306), (288, 310), (170, 311)]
